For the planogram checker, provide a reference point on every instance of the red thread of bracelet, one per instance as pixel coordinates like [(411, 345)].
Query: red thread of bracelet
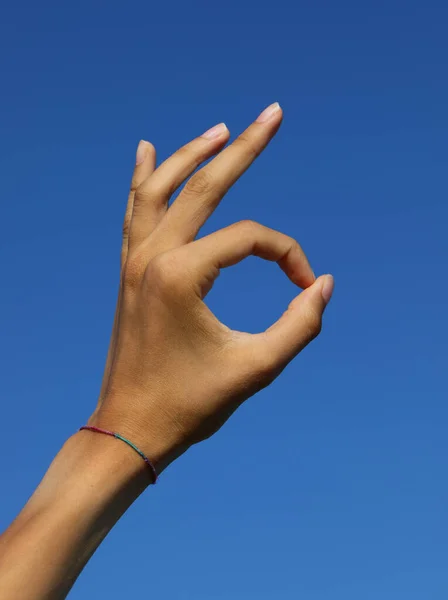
[(126, 441)]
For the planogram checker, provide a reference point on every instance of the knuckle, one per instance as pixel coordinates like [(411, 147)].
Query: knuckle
[(294, 244), (125, 228), (134, 269), (165, 272), (266, 371), (266, 365), (314, 324), (185, 153), (262, 366), (200, 184), (193, 153), (147, 193), (291, 245), (247, 146), (127, 218), (248, 227)]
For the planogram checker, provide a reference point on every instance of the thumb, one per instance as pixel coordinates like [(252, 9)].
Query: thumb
[(300, 324)]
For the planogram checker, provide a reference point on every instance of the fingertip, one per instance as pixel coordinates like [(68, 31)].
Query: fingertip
[(144, 149), (309, 278), (313, 294), (145, 163), (273, 111), (218, 131), (300, 272), (327, 288)]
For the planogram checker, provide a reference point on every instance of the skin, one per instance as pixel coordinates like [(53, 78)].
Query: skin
[(174, 373)]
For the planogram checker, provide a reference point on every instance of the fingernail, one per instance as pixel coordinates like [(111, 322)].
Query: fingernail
[(327, 288), (215, 131), (141, 152), (268, 113)]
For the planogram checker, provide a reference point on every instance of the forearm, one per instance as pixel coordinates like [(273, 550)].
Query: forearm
[(89, 485)]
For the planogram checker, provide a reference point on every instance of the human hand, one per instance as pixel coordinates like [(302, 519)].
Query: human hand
[(174, 372)]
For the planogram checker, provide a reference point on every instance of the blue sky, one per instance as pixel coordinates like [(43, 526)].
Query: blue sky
[(330, 484)]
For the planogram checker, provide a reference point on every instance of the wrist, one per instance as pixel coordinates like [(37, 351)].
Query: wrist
[(107, 461), (160, 446)]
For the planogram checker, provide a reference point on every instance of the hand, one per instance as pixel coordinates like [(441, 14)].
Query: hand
[(174, 372)]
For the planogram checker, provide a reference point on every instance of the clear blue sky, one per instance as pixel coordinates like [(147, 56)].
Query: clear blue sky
[(332, 483)]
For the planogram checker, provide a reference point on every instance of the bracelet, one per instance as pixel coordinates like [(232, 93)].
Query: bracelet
[(123, 439)]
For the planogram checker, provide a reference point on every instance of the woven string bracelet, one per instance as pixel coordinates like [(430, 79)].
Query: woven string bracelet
[(123, 439)]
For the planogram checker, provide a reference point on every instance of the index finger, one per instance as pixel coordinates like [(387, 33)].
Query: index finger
[(232, 244)]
